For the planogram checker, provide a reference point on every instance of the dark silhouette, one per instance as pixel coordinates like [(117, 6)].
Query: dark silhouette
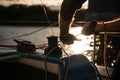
[(35, 13)]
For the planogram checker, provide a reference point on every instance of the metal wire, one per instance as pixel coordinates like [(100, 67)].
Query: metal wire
[(45, 11), (26, 34)]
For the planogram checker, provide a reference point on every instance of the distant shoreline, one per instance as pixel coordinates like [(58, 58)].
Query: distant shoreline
[(28, 23), (37, 23)]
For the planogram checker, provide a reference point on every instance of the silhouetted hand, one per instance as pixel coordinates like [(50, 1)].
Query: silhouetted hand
[(89, 28), (67, 38)]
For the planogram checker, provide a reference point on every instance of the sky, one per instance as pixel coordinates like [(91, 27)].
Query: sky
[(31, 2), (55, 4)]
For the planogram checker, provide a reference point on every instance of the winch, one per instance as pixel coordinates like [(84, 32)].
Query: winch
[(25, 46), (53, 49)]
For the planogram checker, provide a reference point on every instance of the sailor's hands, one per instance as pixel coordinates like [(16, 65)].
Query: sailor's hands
[(67, 38), (89, 28)]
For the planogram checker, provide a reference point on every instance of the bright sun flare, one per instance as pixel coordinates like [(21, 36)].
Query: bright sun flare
[(83, 42)]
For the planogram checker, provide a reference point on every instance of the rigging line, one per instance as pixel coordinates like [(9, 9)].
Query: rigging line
[(105, 52), (26, 34), (68, 63), (45, 62), (47, 17)]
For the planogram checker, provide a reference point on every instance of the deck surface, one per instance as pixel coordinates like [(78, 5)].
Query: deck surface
[(103, 73)]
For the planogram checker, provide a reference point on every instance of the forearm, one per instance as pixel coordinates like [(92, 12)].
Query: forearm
[(110, 26), (69, 7), (67, 12), (64, 25)]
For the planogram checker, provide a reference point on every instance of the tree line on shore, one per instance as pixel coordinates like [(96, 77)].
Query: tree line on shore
[(18, 14), (26, 13)]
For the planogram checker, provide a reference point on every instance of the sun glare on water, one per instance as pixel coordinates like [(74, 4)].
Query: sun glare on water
[(82, 44)]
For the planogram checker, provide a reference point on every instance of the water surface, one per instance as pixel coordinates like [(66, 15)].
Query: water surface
[(38, 34)]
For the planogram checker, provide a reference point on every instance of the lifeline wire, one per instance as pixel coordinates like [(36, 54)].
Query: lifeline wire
[(26, 34), (46, 63), (47, 17), (53, 34), (66, 70), (68, 63)]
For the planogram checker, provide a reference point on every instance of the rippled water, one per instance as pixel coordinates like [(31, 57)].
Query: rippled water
[(37, 35)]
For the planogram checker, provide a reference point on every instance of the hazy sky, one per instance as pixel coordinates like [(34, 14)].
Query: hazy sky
[(30, 2), (52, 3)]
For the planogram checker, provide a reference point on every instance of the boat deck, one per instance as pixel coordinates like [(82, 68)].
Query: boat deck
[(18, 71), (11, 69)]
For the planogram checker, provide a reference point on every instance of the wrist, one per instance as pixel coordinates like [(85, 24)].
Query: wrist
[(100, 26), (64, 30), (63, 35)]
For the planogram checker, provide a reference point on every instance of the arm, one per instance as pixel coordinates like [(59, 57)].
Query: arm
[(68, 9), (67, 12), (110, 26)]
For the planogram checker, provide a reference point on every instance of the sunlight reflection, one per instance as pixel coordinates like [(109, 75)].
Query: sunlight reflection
[(82, 46)]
